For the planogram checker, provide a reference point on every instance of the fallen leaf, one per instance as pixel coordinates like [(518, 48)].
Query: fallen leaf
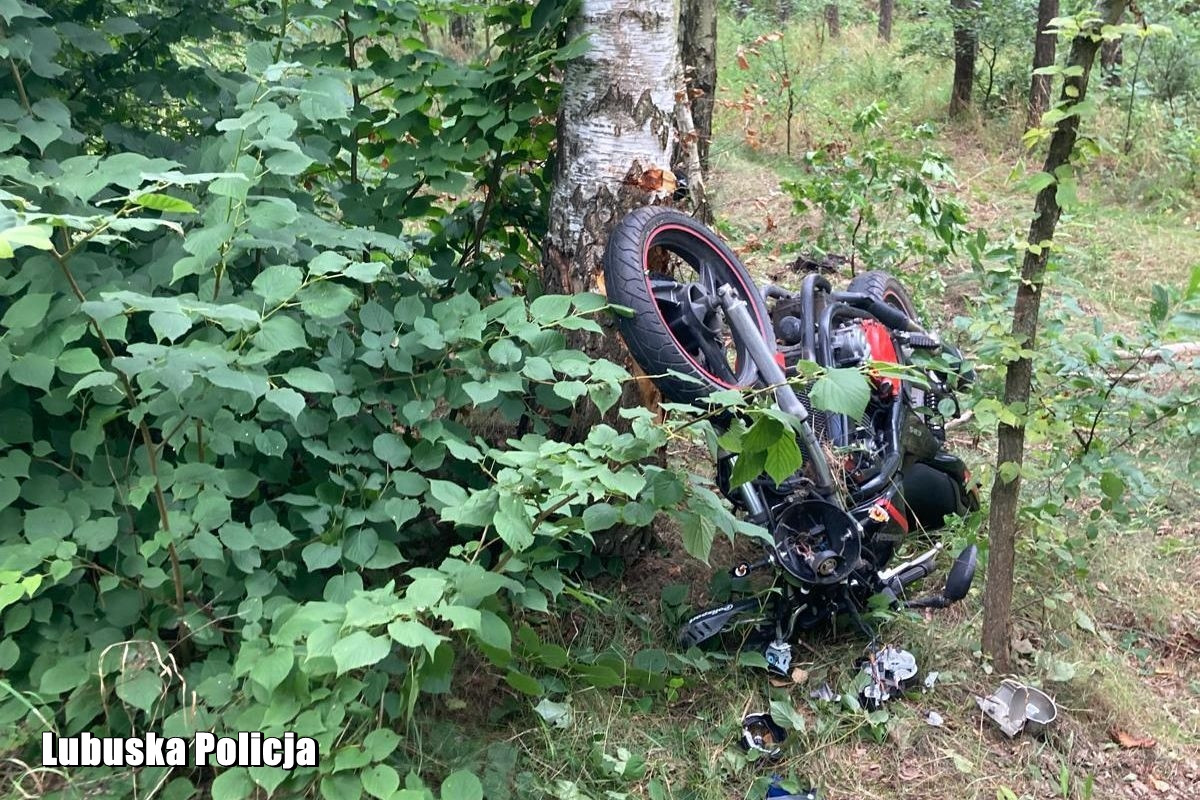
[(770, 224), (741, 59), (1161, 786), (1128, 741)]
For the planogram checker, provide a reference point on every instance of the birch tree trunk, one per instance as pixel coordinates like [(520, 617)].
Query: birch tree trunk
[(1005, 498), (1043, 56), (615, 133), (615, 122)]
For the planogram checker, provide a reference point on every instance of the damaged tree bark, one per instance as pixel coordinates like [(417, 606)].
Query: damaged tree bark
[(615, 123), (1005, 498), (616, 135)]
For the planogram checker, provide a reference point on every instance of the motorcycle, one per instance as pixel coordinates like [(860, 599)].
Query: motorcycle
[(699, 324)]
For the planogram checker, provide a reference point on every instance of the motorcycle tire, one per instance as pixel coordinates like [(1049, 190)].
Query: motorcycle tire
[(884, 286), (663, 336)]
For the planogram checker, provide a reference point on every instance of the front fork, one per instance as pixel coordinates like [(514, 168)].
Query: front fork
[(763, 353)]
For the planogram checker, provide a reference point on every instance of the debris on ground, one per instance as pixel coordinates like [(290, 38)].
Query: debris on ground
[(890, 671), (1015, 707), (825, 693), (762, 734), (775, 791)]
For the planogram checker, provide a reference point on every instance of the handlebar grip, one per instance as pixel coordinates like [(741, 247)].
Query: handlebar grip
[(915, 573), (893, 317)]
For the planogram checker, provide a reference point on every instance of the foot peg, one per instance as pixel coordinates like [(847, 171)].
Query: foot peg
[(708, 624)]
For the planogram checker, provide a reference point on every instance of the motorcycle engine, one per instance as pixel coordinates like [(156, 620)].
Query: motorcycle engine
[(850, 346)]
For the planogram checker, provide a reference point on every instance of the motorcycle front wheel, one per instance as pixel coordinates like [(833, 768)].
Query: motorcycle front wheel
[(667, 268)]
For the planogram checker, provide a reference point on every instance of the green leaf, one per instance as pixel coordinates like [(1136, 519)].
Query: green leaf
[(1112, 485), (232, 784), (698, 536), (461, 785), (765, 431), (360, 546), (513, 524), (289, 401), (277, 284), (318, 555), (783, 458), (64, 676), (415, 635), (380, 781), (140, 688), (1065, 194), (747, 467), (27, 312), (504, 352), (307, 379), (169, 325), (35, 236), (494, 632), (1037, 181), (525, 684), (32, 369), (77, 361), (360, 649), (40, 132), (325, 300), (600, 516), (550, 308), (91, 381), (842, 391), (391, 449), (381, 743), (164, 202), (270, 670), (96, 534)]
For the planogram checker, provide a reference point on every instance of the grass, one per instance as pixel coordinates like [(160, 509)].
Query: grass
[(1119, 648)]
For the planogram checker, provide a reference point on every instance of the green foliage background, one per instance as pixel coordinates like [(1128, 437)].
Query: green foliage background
[(277, 382)]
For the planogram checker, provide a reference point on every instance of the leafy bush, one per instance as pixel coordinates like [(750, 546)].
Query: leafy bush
[(882, 205), (275, 424)]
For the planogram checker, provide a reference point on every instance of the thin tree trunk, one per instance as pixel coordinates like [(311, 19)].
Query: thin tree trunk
[(698, 58), (1043, 56), (886, 9), (1112, 57), (966, 45), (1005, 498), (833, 20)]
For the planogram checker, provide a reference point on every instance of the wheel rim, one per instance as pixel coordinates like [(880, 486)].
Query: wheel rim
[(690, 309)]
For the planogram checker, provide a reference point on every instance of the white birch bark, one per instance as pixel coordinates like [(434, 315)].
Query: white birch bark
[(615, 122)]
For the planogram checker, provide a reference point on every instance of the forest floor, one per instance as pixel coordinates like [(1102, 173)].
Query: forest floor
[(1119, 647)]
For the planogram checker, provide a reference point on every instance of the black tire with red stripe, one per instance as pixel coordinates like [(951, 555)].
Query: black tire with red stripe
[(657, 348)]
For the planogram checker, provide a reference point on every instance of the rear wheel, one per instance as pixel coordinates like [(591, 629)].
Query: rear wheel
[(884, 286), (667, 268)]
